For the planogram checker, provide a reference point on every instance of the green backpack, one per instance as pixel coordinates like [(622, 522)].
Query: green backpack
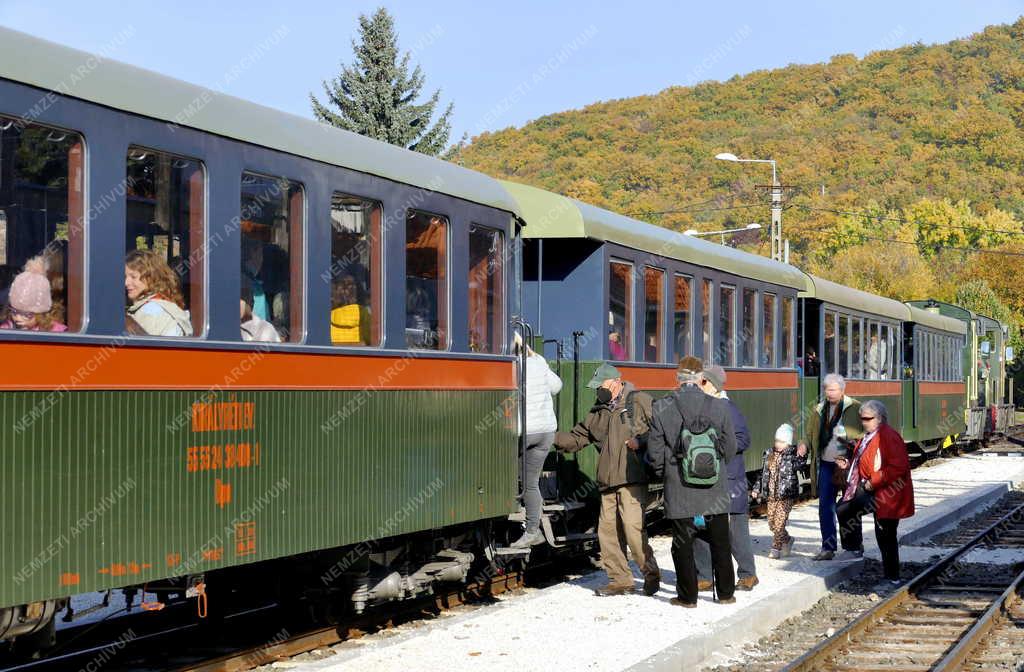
[(700, 463)]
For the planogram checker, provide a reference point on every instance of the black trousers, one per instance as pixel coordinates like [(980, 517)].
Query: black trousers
[(716, 534), (885, 534), (852, 536)]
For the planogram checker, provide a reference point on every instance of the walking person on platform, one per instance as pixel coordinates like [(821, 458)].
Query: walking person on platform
[(712, 382), (618, 425), (779, 487), (690, 444), (834, 420), (541, 386), (878, 482)]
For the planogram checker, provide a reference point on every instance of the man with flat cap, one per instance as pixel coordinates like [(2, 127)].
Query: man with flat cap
[(690, 443), (617, 425)]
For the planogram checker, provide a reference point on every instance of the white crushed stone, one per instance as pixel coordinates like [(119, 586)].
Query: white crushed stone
[(565, 627)]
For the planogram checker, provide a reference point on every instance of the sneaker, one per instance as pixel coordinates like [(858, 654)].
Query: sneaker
[(704, 585), (747, 583), (787, 548), (652, 585), (824, 555), (679, 603), (726, 600), (528, 539), (847, 556), (774, 554)]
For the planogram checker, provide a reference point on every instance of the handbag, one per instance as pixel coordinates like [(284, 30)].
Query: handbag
[(863, 501)]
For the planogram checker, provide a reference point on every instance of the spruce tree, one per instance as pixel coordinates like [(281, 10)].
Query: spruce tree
[(376, 95)]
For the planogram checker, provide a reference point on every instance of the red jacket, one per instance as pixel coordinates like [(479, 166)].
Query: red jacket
[(886, 465)]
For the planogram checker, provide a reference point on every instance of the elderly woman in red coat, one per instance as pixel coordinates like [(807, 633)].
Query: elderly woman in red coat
[(878, 481)]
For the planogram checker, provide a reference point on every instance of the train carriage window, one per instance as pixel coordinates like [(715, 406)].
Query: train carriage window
[(654, 298), (42, 222), (856, 347), (681, 316), (843, 341), (748, 338), (620, 311), (768, 355), (486, 289), (873, 355), (788, 320), (888, 351), (272, 223), (426, 281), (355, 315), (725, 341), (707, 291), (829, 358), (164, 220)]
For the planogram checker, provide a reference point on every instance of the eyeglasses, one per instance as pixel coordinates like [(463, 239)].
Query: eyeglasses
[(865, 419)]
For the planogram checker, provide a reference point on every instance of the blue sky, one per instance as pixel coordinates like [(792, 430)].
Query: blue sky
[(501, 63)]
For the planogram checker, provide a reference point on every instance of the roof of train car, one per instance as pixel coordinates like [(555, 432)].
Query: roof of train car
[(550, 215), (47, 65), (937, 321), (856, 299)]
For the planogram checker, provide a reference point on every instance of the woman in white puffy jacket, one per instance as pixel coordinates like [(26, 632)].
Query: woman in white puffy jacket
[(541, 386)]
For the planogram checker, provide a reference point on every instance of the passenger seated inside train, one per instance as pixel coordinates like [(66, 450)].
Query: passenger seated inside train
[(254, 328), (29, 300), (156, 303), (616, 350), (350, 318)]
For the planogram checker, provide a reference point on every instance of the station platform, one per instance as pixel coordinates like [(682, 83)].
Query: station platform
[(565, 627)]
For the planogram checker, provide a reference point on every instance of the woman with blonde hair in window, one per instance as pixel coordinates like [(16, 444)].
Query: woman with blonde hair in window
[(156, 301)]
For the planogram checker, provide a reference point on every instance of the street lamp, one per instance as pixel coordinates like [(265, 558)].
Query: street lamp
[(776, 200), (694, 232)]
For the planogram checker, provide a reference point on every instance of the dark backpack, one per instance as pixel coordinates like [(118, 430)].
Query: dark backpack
[(700, 462)]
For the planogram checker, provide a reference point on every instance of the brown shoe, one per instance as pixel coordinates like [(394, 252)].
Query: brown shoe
[(679, 603), (612, 590), (703, 585), (726, 600), (747, 583)]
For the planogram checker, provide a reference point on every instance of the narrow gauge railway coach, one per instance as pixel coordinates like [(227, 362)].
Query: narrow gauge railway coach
[(599, 286), (370, 400), (988, 404)]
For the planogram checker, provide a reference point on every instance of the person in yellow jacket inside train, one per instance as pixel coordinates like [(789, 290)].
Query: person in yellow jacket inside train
[(350, 319)]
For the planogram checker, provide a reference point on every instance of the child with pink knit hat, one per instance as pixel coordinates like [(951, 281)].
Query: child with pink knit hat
[(29, 300)]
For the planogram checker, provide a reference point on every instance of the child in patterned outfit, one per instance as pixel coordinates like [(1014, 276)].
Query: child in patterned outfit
[(779, 486)]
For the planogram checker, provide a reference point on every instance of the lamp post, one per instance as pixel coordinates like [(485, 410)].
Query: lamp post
[(776, 200), (695, 232)]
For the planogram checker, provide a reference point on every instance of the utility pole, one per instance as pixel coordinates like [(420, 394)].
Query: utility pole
[(776, 216)]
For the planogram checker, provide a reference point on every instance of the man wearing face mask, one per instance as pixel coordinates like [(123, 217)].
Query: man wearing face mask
[(617, 425)]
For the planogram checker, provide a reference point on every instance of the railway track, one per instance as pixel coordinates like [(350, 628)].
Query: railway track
[(945, 611)]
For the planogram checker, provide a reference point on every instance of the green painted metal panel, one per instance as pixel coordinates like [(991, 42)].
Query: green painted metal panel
[(104, 489), (847, 297)]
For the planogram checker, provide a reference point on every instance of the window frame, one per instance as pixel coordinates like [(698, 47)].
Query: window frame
[(748, 340), (500, 287), (691, 299), (659, 314), (79, 245), (729, 356), (770, 324), (444, 316), (787, 355), (198, 332), (378, 274)]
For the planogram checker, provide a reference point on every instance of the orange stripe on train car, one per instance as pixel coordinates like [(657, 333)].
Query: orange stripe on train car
[(942, 388), (873, 388), (654, 378), (37, 366)]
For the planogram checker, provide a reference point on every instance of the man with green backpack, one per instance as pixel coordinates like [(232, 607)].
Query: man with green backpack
[(690, 443)]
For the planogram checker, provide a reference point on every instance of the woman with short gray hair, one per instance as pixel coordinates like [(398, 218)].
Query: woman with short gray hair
[(878, 481)]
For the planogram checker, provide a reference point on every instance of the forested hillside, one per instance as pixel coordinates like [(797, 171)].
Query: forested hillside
[(926, 140)]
